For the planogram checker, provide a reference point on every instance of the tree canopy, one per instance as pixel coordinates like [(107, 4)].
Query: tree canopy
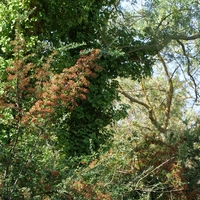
[(76, 76), (35, 31)]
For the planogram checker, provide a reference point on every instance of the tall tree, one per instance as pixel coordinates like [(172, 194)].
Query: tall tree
[(59, 64), (60, 30)]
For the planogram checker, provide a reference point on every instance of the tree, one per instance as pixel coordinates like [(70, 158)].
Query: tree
[(165, 27), (156, 128), (151, 156), (61, 70), (51, 93), (43, 36), (159, 118), (154, 154)]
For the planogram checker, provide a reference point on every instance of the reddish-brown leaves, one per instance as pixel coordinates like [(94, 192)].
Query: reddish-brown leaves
[(45, 90), (89, 191)]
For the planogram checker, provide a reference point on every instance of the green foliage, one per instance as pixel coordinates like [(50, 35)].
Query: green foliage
[(188, 152), (141, 166), (61, 64), (46, 27), (54, 99), (22, 175)]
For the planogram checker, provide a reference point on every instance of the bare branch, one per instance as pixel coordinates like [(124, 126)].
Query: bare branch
[(148, 172), (169, 94), (148, 107), (133, 100), (162, 20), (188, 70)]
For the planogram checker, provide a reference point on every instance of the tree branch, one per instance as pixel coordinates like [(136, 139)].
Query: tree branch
[(183, 37), (150, 171), (169, 94), (133, 100), (158, 43), (188, 70), (149, 108), (163, 19)]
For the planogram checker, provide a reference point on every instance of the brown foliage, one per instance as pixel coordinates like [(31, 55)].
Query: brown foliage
[(55, 173), (166, 167), (41, 88), (89, 191)]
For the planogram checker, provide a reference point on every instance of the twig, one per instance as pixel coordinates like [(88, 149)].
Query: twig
[(111, 179), (153, 171)]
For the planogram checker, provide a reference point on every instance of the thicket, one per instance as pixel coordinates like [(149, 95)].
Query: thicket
[(62, 133)]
